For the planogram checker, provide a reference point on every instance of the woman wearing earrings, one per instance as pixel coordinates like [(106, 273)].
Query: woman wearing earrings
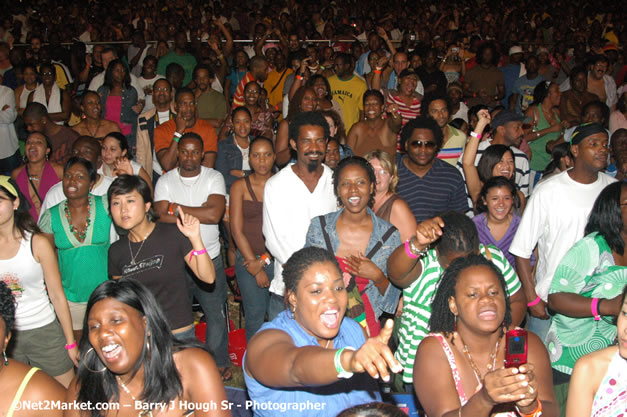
[(37, 385), (38, 174), (28, 266), (92, 123), (156, 254), (130, 359)]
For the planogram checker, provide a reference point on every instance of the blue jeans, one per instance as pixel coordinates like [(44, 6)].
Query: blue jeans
[(254, 299), (212, 299), (275, 306), (9, 163), (538, 326)]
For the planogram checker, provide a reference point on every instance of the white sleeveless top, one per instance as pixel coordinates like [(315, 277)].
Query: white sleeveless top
[(25, 277)]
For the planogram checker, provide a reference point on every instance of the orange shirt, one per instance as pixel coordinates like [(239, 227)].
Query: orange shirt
[(165, 132)]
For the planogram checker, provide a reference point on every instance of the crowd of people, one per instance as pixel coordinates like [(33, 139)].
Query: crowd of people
[(393, 186)]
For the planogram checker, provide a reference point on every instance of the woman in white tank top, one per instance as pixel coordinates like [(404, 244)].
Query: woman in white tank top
[(28, 265), (22, 92)]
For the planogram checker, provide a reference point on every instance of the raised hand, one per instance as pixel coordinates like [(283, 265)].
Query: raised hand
[(429, 231), (375, 357), (188, 224)]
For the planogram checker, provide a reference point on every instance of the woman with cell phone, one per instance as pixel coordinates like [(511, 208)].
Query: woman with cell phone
[(470, 325)]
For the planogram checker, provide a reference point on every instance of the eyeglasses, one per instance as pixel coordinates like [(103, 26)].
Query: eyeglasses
[(46, 74), (381, 172), (420, 144)]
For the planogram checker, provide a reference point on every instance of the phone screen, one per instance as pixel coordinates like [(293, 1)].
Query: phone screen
[(516, 345)]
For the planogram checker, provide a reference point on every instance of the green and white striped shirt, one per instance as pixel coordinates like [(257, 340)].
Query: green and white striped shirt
[(417, 299)]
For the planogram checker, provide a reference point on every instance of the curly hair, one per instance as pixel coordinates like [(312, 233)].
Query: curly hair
[(442, 319), (7, 307), (421, 123), (300, 261), (354, 161)]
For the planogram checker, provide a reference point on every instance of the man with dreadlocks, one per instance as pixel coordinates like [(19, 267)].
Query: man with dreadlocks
[(417, 269)]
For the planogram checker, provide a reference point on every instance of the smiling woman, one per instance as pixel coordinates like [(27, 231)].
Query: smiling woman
[(361, 242), (92, 124), (314, 342), (129, 357)]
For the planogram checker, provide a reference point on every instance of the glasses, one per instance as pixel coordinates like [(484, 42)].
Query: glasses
[(46, 74), (420, 144), (381, 172)]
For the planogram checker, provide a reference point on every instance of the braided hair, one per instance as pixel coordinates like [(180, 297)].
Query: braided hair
[(442, 319)]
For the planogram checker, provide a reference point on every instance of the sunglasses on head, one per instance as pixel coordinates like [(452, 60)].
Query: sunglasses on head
[(420, 144)]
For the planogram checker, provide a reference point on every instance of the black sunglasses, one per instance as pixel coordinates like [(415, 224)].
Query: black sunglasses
[(420, 144)]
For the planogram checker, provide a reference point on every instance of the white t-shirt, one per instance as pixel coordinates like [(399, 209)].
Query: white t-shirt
[(288, 207), (554, 219), (143, 83), (193, 192)]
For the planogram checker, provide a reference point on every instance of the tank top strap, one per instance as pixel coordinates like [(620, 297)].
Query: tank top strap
[(385, 211), (20, 390), (250, 188), (451, 362)]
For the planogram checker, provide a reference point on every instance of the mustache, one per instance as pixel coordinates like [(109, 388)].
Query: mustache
[(314, 153)]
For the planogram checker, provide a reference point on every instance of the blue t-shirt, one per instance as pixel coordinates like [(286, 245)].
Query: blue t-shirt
[(524, 87), (327, 400)]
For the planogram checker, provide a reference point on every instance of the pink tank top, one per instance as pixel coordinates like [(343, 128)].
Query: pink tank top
[(113, 112)]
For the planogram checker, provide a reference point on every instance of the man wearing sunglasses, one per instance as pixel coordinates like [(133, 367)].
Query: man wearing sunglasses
[(428, 185)]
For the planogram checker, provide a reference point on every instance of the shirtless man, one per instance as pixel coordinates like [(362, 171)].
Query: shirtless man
[(599, 84), (375, 132)]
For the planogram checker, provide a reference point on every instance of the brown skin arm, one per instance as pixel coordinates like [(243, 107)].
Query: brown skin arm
[(209, 160), (168, 157), (72, 395), (201, 381), (282, 144), (236, 216), (353, 135), (523, 269), (43, 387), (210, 212), (403, 270), (575, 305)]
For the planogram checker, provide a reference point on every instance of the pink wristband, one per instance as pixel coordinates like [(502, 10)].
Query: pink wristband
[(534, 302), (408, 250), (197, 252), (70, 346), (594, 308)]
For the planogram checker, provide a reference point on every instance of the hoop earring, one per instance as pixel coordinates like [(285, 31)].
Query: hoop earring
[(6, 360), (455, 324), (104, 368)]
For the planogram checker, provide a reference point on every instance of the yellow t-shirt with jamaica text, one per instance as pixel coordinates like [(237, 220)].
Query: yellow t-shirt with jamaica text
[(349, 94)]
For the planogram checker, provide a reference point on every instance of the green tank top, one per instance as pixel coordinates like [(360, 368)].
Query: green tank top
[(83, 265), (539, 157)]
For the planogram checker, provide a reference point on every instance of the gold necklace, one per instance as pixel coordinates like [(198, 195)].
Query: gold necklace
[(472, 363), (142, 413)]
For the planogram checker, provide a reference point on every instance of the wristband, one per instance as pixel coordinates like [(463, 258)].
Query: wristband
[(265, 259), (535, 413), (70, 346), (377, 71), (197, 253), (299, 77), (408, 250), (177, 137), (534, 302), (594, 308), (171, 209), (475, 135), (341, 372)]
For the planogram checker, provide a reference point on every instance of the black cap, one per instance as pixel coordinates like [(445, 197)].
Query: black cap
[(506, 116), (406, 72)]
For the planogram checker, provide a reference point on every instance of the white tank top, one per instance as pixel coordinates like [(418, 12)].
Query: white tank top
[(25, 277)]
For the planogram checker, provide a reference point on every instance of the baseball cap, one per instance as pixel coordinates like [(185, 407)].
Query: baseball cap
[(506, 116), (515, 50)]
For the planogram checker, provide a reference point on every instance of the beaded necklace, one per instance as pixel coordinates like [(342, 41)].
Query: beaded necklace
[(83, 234)]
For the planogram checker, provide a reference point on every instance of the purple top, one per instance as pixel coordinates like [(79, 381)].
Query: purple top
[(486, 237)]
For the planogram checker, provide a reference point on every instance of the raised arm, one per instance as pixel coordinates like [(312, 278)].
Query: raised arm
[(314, 365), (473, 183)]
